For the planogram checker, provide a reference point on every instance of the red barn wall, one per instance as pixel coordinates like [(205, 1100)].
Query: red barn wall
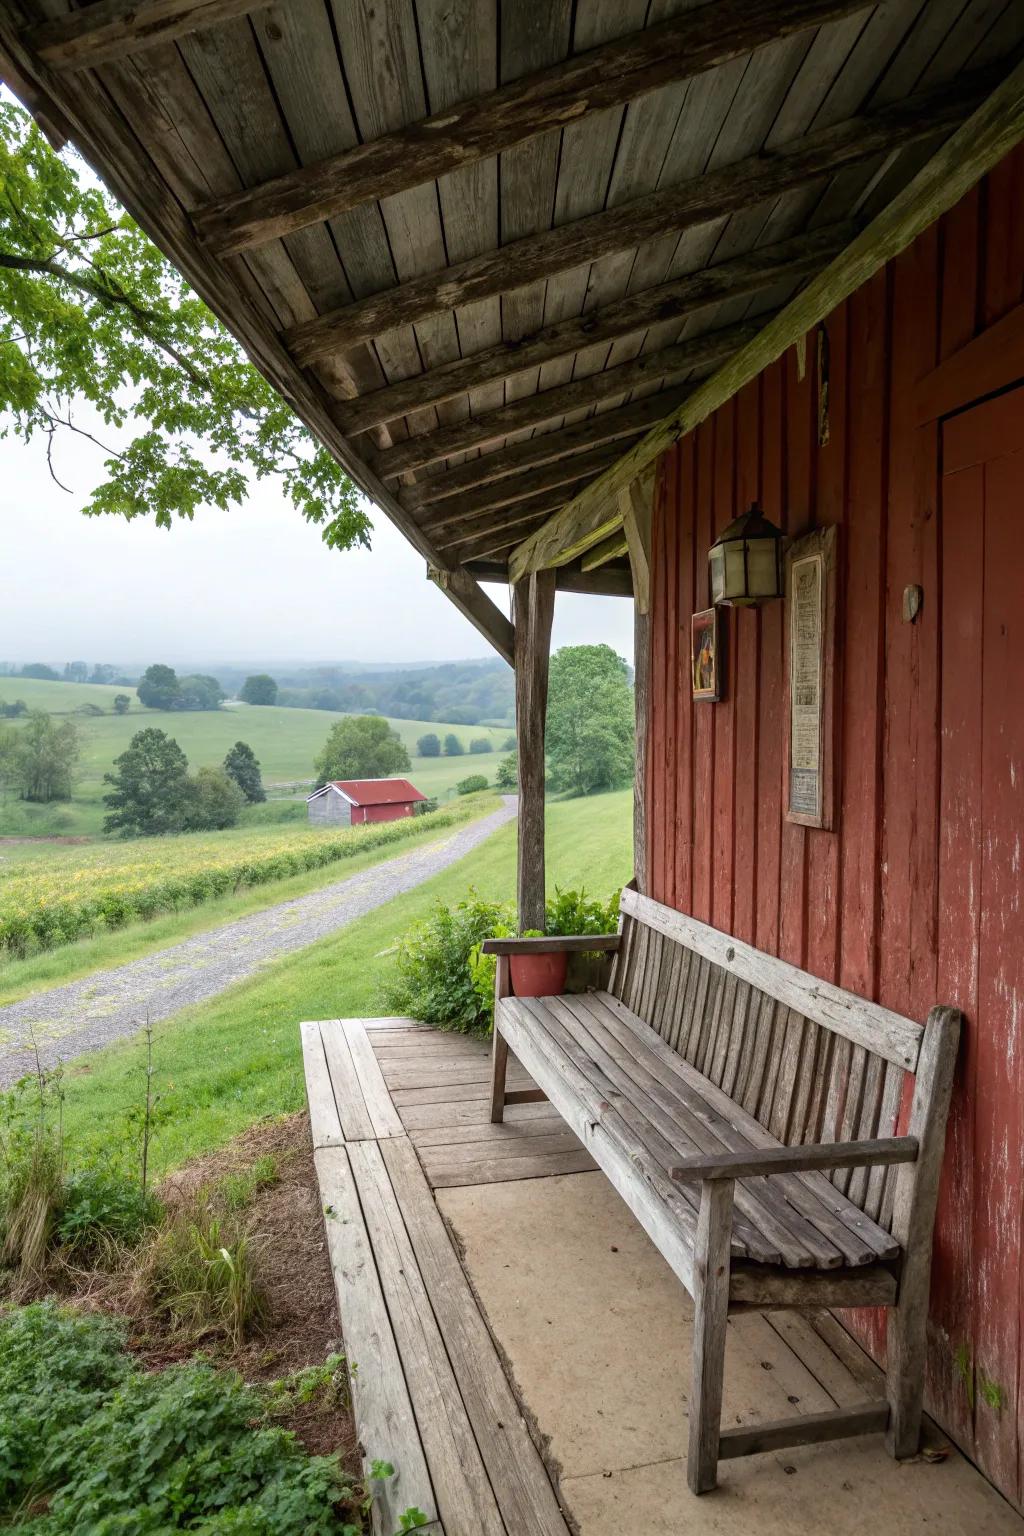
[(886, 905), (382, 812)]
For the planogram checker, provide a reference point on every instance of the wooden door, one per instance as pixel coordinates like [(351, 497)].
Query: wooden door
[(981, 923)]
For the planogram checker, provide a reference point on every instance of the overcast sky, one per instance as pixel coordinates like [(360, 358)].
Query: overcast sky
[(252, 584)]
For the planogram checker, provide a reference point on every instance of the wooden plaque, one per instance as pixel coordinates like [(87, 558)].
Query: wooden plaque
[(810, 678)]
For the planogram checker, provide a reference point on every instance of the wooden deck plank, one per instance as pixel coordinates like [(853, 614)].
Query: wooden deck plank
[(518, 1477), (504, 1170), (348, 1094), (452, 1093), (509, 1130), (464, 1497), (384, 1117), (481, 1151), (418, 1116), (382, 1410), (324, 1124)]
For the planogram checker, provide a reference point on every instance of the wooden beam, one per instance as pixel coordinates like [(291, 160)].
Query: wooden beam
[(787, 261), (113, 29), (454, 511), (983, 140), (594, 81), (533, 606), (609, 581), (495, 543), (542, 505), (534, 410), (805, 1429), (700, 200), (607, 427), (637, 508), (478, 608), (608, 549)]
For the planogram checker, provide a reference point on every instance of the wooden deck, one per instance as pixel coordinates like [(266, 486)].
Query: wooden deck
[(398, 1110)]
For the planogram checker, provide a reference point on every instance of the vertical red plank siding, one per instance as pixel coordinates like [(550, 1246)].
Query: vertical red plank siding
[(887, 903)]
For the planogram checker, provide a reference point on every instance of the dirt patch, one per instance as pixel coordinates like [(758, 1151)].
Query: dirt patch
[(67, 841)]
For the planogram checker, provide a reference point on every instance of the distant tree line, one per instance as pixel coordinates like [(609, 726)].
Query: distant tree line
[(462, 693), (73, 672), (160, 687)]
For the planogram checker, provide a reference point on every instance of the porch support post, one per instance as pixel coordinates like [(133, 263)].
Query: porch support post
[(533, 606), (635, 503)]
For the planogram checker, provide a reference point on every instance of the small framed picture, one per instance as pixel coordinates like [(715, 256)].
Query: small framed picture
[(705, 656)]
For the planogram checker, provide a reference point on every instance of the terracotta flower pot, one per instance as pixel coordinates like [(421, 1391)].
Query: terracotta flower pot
[(539, 975)]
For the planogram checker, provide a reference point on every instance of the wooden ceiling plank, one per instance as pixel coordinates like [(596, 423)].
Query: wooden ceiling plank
[(790, 260), (540, 102), (533, 410), (605, 427), (698, 201), (539, 506), (114, 29), (989, 134)]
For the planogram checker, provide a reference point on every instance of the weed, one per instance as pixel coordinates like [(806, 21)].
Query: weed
[(31, 1172), (324, 1383), (992, 1393), (236, 1190), (111, 1448), (200, 1271), (102, 1210)]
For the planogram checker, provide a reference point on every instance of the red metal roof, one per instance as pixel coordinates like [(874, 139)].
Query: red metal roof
[(378, 791)]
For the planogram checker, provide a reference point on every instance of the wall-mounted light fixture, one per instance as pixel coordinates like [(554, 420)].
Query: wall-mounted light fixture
[(746, 562)]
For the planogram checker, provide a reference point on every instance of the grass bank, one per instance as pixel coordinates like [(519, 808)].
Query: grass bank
[(221, 1066)]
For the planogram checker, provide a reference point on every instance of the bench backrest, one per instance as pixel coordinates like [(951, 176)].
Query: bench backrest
[(809, 1061)]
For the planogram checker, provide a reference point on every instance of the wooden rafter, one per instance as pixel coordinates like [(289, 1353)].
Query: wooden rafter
[(113, 29), (698, 201), (525, 511), (611, 580), (593, 81), (607, 427), (453, 511), (989, 134), (788, 261), (533, 410), (611, 548)]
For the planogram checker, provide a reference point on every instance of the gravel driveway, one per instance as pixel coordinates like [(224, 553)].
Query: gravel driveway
[(110, 1004)]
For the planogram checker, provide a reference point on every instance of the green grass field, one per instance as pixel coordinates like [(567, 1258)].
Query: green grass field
[(224, 1064), (286, 741)]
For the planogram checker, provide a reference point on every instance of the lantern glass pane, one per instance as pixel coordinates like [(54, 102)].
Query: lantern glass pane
[(762, 568), (735, 570), (717, 564)]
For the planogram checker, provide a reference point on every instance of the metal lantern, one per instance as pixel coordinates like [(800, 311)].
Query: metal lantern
[(746, 562)]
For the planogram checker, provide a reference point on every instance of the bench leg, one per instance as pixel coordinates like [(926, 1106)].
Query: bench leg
[(905, 1359), (499, 1066), (710, 1312)]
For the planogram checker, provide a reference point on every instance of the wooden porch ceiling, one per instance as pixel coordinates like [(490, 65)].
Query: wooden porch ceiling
[(482, 249)]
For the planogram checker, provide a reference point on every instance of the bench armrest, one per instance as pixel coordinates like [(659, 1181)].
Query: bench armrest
[(759, 1161), (552, 943)]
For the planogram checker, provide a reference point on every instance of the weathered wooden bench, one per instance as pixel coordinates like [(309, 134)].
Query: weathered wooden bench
[(745, 1112)]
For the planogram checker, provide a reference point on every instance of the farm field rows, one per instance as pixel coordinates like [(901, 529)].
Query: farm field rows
[(59, 893), (285, 741)]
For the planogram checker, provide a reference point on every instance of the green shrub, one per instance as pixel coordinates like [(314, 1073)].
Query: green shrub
[(100, 1205), (433, 980), (113, 1449), (472, 785)]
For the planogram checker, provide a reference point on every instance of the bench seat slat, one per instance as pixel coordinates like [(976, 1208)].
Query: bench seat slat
[(809, 1210), (864, 1229), (610, 1056), (762, 1205)]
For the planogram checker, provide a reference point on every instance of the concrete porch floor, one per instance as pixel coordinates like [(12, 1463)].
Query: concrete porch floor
[(596, 1330)]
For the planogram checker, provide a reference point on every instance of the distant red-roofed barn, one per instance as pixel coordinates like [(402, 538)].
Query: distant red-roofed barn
[(353, 802)]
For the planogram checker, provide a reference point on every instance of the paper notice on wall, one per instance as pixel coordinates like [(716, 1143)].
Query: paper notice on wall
[(805, 686)]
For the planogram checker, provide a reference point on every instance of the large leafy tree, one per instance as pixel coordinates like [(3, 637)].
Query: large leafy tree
[(260, 688), (150, 791), (42, 758), (590, 741), (90, 312), (361, 747)]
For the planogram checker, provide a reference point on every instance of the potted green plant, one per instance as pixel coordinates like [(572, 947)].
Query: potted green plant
[(543, 973)]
